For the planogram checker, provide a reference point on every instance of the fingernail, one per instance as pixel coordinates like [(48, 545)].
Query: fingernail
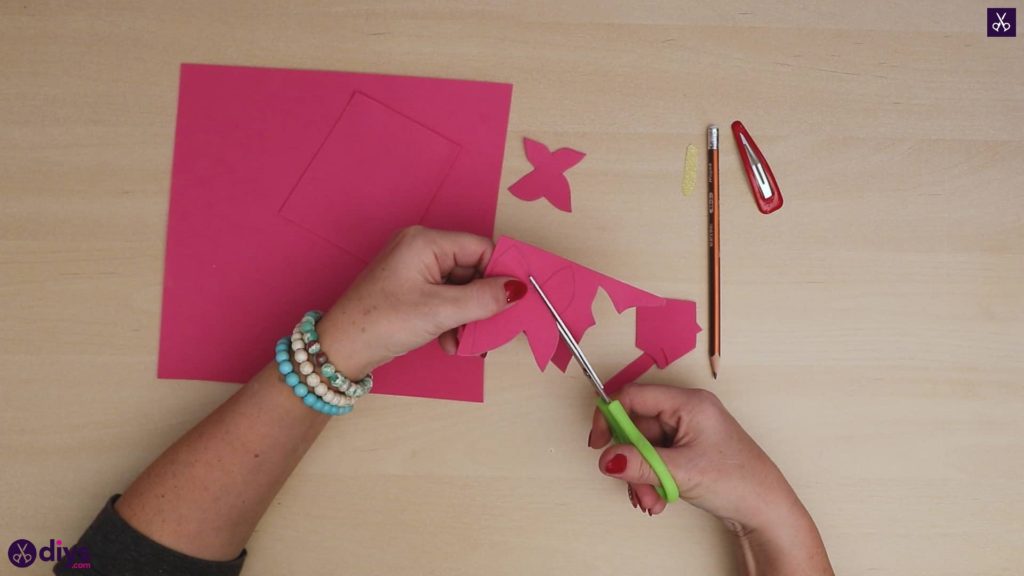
[(617, 465), (514, 290)]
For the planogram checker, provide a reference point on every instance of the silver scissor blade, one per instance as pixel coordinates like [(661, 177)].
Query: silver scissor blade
[(571, 342)]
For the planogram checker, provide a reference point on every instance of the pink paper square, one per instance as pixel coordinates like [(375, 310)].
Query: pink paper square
[(238, 276), (376, 173)]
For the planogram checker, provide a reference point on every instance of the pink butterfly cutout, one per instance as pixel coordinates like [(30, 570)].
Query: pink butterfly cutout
[(547, 179)]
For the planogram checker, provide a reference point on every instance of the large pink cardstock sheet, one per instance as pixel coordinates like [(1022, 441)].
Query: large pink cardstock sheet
[(238, 274), (666, 328)]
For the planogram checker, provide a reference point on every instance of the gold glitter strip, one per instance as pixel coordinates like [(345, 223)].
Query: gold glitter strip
[(690, 170)]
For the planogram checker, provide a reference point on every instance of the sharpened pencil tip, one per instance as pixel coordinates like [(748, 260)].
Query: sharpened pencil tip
[(714, 366)]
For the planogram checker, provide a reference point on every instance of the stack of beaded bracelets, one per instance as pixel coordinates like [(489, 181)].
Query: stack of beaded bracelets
[(316, 380)]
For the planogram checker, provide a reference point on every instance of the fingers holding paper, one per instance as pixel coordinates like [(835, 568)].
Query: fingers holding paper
[(423, 286)]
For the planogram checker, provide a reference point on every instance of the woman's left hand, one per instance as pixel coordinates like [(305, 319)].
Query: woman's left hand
[(423, 286)]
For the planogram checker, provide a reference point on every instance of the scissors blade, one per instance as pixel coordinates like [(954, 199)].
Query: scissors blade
[(571, 342)]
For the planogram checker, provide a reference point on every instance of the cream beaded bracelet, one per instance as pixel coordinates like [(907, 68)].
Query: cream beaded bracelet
[(311, 376)]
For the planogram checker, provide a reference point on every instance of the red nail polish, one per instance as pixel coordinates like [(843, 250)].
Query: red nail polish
[(617, 465), (514, 290)]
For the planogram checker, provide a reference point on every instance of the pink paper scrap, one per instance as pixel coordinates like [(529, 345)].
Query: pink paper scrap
[(547, 179), (666, 328)]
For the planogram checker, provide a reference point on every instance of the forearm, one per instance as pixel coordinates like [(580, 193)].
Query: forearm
[(205, 494), (786, 544)]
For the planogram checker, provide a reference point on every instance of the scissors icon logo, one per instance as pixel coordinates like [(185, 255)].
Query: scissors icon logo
[(21, 553), (1002, 22), (1001, 25)]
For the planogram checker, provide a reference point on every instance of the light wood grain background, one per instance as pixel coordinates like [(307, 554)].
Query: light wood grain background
[(873, 327)]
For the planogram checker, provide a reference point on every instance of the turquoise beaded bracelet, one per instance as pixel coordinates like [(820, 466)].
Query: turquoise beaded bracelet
[(310, 374)]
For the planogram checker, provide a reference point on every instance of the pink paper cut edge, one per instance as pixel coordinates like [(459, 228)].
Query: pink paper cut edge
[(531, 317)]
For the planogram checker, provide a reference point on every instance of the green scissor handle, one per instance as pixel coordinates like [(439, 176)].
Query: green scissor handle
[(625, 432)]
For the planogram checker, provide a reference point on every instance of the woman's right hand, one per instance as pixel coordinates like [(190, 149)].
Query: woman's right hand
[(718, 468)]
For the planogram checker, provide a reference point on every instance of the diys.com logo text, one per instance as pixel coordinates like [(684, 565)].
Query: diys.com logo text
[(23, 553)]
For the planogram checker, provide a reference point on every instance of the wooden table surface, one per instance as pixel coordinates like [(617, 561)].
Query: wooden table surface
[(873, 327)]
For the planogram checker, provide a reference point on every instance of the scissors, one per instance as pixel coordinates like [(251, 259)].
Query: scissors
[(1001, 25), (624, 431), (22, 557)]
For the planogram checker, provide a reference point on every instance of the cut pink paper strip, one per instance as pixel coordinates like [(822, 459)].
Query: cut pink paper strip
[(376, 172), (666, 329), (238, 275), (664, 334), (547, 179)]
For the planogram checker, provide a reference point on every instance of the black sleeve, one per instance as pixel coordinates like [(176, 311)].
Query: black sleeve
[(113, 548)]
